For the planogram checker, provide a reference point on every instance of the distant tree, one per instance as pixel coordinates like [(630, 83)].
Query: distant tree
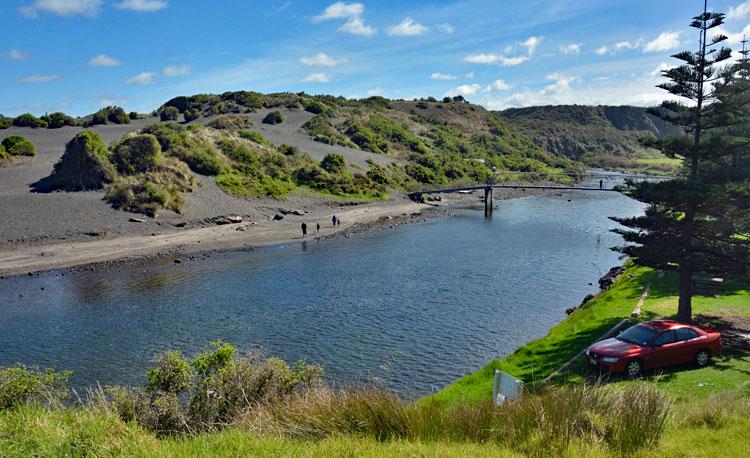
[(169, 114), (29, 120), (447, 99), (133, 115), (696, 222), (59, 119)]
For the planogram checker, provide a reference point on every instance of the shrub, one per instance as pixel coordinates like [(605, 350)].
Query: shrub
[(315, 106), (133, 115), (203, 159), (85, 165), (29, 120), (113, 114), (18, 146), (138, 195), (192, 115), (137, 154), (59, 119), (4, 122), (20, 385), (334, 163), (169, 114), (230, 121), (274, 117), (253, 137)]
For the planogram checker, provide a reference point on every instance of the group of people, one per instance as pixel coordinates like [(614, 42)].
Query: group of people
[(336, 222)]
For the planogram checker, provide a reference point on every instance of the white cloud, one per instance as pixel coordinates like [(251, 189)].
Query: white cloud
[(374, 92), (88, 8), (530, 44), (602, 51), (498, 59), (142, 79), (445, 28), (469, 75), (497, 85), (317, 78), (340, 10), (732, 38), (664, 42), (442, 76), (103, 60), (741, 11), (38, 78), (465, 90), (619, 46), (357, 26), (352, 12), (321, 60), (14, 54), (571, 48), (142, 5), (176, 70), (408, 28)]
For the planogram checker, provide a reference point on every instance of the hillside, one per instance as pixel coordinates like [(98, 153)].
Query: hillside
[(602, 136)]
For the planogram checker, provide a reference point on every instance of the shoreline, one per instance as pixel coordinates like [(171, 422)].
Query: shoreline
[(196, 242)]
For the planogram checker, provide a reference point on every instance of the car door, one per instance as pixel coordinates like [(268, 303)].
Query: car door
[(688, 344), (666, 350)]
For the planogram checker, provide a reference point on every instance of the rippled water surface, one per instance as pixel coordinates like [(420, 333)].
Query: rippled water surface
[(417, 306)]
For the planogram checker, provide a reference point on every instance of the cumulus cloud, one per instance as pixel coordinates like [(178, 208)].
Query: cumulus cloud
[(408, 28), (38, 78), (442, 76), (465, 90), (142, 79), (352, 13), (571, 48), (497, 85), (445, 28), (88, 8), (321, 60), (741, 11), (317, 78), (14, 54), (664, 42), (620, 46), (142, 5), (103, 60), (176, 70), (500, 59)]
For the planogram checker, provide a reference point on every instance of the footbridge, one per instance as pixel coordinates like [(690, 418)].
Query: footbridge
[(554, 181)]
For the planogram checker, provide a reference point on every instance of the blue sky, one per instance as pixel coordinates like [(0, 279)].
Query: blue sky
[(78, 55)]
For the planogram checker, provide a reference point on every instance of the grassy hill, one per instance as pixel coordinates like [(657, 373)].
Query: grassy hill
[(601, 136)]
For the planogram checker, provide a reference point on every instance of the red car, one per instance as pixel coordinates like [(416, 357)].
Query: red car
[(655, 344)]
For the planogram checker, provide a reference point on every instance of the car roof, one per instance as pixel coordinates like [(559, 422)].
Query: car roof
[(663, 325)]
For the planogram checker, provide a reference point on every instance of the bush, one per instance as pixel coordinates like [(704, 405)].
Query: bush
[(315, 106), (133, 115), (59, 119), (334, 163), (18, 146), (203, 159), (113, 114), (169, 114), (138, 195), (4, 122), (29, 120), (192, 115), (230, 121), (253, 137), (137, 154), (274, 117), (21, 385), (85, 165)]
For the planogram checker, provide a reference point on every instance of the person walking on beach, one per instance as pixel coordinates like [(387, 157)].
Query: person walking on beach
[(334, 220), (317, 228), (601, 184), (338, 222), (304, 229)]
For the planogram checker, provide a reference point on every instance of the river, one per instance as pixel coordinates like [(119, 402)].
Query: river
[(413, 308)]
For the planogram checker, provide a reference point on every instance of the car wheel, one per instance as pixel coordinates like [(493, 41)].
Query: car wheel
[(633, 368), (702, 358)]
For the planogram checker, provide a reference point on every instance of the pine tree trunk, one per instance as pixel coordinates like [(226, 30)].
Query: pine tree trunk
[(685, 306)]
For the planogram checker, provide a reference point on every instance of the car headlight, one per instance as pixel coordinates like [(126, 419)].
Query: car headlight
[(609, 359)]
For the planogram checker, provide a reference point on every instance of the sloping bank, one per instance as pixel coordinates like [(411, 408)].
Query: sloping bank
[(539, 358)]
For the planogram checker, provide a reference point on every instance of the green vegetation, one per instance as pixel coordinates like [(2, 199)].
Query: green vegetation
[(192, 115), (230, 121), (137, 154), (273, 117), (115, 115), (4, 122), (85, 165), (169, 114), (59, 119), (29, 120), (253, 137), (321, 130), (18, 146)]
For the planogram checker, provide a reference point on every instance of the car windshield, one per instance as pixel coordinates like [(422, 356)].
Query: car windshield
[(639, 335)]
